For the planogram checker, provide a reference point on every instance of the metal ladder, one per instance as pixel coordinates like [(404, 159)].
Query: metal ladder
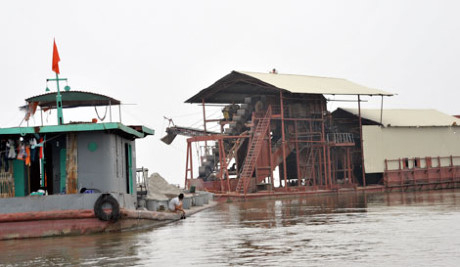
[(253, 152)]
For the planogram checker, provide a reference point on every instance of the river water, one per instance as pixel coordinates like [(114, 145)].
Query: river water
[(353, 229)]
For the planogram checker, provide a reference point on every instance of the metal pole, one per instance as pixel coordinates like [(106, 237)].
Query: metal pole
[(350, 180), (314, 153), (361, 139), (283, 141), (344, 163), (381, 110), (329, 166), (323, 166), (119, 112), (224, 157), (110, 106), (204, 126), (186, 165), (297, 156), (222, 164), (272, 182), (60, 116), (323, 140)]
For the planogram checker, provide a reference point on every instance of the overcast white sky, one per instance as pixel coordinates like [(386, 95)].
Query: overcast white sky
[(157, 54)]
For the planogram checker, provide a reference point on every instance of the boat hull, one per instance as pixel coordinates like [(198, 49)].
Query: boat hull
[(81, 222)]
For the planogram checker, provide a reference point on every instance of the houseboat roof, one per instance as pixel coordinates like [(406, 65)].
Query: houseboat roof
[(405, 117), (72, 99), (237, 85), (130, 132)]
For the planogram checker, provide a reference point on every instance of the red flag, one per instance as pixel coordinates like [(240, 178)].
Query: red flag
[(56, 59)]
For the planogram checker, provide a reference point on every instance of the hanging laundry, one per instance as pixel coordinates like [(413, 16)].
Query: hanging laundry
[(22, 152), (33, 149), (41, 148), (11, 149), (27, 156)]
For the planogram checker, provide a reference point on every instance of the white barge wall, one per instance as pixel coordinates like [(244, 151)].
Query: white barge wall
[(381, 143)]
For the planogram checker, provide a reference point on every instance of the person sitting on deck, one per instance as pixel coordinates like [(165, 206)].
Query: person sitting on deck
[(175, 205)]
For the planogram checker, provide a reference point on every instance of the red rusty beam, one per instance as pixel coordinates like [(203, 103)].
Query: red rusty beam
[(361, 140), (283, 140), (187, 169), (297, 154)]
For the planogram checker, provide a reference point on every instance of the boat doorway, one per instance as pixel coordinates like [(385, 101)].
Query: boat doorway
[(55, 165), (128, 168)]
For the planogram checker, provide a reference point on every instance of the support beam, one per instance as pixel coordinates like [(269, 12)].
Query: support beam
[(188, 165), (361, 140), (297, 155), (283, 141), (204, 125)]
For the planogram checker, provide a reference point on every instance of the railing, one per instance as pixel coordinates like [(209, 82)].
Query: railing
[(339, 138), (421, 162), (6, 185), (421, 170), (141, 179)]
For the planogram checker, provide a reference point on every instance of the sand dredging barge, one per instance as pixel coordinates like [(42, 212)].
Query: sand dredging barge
[(276, 127), (77, 177)]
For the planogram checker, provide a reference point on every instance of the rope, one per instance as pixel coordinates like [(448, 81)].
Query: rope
[(97, 113)]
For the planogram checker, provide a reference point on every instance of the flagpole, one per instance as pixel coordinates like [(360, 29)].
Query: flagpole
[(60, 116), (55, 68)]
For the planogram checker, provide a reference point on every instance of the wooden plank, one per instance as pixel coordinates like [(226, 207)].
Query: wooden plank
[(71, 164)]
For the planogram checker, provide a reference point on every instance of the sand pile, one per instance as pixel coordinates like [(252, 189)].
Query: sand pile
[(159, 189)]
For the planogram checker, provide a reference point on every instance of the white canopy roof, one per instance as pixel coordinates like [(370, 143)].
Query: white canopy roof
[(407, 117), (314, 85)]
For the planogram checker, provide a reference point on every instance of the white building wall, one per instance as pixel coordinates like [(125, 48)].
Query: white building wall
[(408, 142)]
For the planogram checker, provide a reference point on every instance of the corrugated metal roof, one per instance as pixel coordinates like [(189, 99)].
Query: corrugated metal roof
[(235, 86), (305, 84), (407, 117)]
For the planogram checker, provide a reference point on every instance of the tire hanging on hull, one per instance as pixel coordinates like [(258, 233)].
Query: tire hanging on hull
[(108, 199)]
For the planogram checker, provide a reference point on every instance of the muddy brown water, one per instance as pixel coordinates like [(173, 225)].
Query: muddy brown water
[(391, 229)]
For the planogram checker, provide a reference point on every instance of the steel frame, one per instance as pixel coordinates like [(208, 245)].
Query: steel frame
[(320, 154)]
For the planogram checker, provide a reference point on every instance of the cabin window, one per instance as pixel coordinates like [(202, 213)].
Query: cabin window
[(428, 162), (417, 162), (405, 163)]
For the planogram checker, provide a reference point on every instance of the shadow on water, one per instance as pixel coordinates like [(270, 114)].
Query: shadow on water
[(290, 211), (386, 229), (88, 250)]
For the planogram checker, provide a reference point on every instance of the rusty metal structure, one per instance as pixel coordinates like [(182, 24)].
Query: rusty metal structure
[(279, 125)]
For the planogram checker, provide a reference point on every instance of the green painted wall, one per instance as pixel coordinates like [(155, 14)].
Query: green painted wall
[(63, 173), (19, 175)]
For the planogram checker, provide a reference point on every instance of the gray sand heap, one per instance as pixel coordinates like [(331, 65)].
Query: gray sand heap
[(159, 189)]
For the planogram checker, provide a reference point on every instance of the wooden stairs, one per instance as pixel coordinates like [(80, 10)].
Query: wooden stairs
[(253, 152)]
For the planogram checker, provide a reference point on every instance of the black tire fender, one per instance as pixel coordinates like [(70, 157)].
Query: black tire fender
[(99, 211)]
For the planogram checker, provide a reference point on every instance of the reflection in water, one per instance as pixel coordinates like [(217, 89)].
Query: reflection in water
[(394, 229)]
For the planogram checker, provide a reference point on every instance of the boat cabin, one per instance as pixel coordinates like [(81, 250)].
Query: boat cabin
[(70, 158)]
